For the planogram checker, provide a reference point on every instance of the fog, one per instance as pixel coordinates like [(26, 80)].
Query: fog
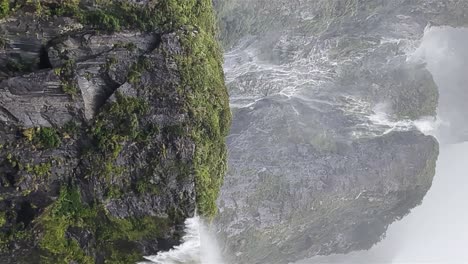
[(436, 231)]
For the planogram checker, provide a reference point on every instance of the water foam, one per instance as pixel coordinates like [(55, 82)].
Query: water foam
[(379, 119), (198, 247)]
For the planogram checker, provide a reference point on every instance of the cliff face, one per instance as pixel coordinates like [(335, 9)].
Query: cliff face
[(326, 148), (112, 123)]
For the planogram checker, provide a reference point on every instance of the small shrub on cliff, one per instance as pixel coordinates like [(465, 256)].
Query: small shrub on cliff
[(4, 8), (29, 133), (117, 123), (43, 137), (42, 169), (3, 220), (67, 211), (70, 129), (70, 211), (102, 19), (48, 138), (137, 68), (66, 73)]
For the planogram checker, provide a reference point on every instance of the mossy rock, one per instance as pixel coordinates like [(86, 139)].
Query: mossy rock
[(143, 145)]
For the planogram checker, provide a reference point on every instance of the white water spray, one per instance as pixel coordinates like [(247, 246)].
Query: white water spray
[(380, 117), (435, 232), (198, 247), (443, 50)]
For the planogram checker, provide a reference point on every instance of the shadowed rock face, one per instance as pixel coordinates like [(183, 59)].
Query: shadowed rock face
[(326, 148), (103, 132), (37, 100)]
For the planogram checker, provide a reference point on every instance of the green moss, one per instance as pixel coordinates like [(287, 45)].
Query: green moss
[(69, 89), (3, 219), (21, 65), (130, 46), (114, 192), (200, 68), (42, 169), (16, 234), (102, 19), (208, 104), (88, 76), (117, 123), (38, 8), (124, 121), (137, 68), (67, 211), (115, 126), (133, 229), (13, 161), (120, 15), (110, 62), (43, 137), (48, 138), (4, 8), (66, 73), (115, 237), (133, 76), (142, 187), (175, 130), (118, 237), (110, 16), (107, 169), (71, 128)]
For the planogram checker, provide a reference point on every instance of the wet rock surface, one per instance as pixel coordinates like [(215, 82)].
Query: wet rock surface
[(326, 148)]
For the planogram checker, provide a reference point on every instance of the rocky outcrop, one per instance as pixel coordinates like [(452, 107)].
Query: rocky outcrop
[(293, 191), (326, 149), (112, 126)]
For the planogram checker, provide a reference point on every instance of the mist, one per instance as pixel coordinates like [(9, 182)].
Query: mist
[(199, 247), (436, 231)]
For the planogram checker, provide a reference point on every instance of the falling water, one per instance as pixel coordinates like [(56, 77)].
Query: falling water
[(198, 247), (435, 232)]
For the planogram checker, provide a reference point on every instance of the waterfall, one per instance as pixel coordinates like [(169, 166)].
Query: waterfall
[(436, 231), (198, 247)]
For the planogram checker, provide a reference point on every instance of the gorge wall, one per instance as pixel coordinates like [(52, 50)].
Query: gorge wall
[(327, 146), (113, 116)]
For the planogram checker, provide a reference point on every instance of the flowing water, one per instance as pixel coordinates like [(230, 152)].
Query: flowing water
[(198, 247), (435, 232)]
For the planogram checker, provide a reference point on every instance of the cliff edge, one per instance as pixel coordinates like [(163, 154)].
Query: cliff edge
[(113, 116)]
